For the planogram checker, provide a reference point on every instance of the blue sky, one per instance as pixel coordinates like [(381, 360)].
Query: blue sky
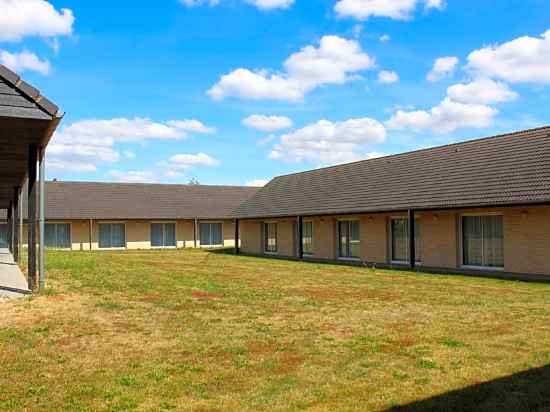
[(161, 92)]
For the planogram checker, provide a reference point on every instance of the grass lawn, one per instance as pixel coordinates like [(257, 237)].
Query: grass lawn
[(193, 330)]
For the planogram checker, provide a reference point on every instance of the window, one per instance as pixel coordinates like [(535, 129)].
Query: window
[(112, 235), (307, 238), (57, 235), (3, 236), (400, 240), (270, 237), (349, 239), (482, 241), (163, 234), (211, 234)]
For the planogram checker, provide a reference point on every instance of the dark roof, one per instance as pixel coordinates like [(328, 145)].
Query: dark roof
[(19, 99), (500, 170), (91, 200)]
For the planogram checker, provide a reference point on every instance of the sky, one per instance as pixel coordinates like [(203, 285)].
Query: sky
[(236, 92)]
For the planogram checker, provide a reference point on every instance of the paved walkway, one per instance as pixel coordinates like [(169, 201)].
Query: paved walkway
[(12, 282)]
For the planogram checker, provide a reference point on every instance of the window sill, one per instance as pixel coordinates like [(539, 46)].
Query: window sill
[(483, 268), (270, 253), (111, 248), (349, 259), (163, 247)]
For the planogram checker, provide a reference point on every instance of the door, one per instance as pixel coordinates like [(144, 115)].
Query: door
[(3, 235)]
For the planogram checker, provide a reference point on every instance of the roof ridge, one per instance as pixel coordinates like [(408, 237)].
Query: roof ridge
[(148, 184), (475, 140)]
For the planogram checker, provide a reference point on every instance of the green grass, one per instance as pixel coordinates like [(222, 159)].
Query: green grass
[(197, 330)]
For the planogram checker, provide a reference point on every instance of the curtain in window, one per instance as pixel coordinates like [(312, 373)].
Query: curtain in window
[(206, 240), (349, 238), (3, 236), (400, 240), (63, 236), (157, 235), (216, 229), (104, 236), (270, 240), (117, 235), (169, 235), (483, 241), (211, 234), (50, 235), (307, 240), (111, 235)]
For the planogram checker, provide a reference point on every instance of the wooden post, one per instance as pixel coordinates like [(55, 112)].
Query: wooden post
[(42, 220), (237, 248), (300, 237), (9, 233), (20, 224), (91, 234), (195, 230), (412, 249), (15, 225), (31, 222)]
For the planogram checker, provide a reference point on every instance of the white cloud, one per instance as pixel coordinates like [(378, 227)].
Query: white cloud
[(481, 91), (525, 59), (257, 183), (128, 154), (265, 140), (134, 176), (393, 9), (267, 123), (387, 77), (333, 62), (191, 125), (374, 155), (188, 161), (80, 146), (445, 117), (384, 38), (443, 67), (329, 142), (21, 18), (25, 60), (260, 4)]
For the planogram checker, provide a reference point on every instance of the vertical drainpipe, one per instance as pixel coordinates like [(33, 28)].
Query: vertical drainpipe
[(15, 224), (9, 237), (31, 219), (20, 224), (237, 249), (42, 220), (195, 224), (300, 237), (412, 250)]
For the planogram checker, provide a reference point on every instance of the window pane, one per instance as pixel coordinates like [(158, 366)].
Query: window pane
[(472, 234), (216, 234), (169, 235), (49, 235), (355, 239), (343, 230), (271, 237), (4, 236), (104, 236), (205, 238), (156, 235), (63, 236), (493, 255), (399, 228), (417, 241), (307, 240), (118, 235)]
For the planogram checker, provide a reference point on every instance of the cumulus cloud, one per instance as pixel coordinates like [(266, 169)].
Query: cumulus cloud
[(481, 91), (80, 146), (394, 9), (257, 183), (267, 123), (443, 67), (387, 77), (133, 176), (329, 142), (265, 140), (335, 61), (23, 61), (443, 118), (21, 18), (525, 59), (191, 125), (260, 4), (188, 161), (384, 38)]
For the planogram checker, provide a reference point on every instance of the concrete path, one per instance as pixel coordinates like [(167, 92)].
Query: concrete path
[(12, 282)]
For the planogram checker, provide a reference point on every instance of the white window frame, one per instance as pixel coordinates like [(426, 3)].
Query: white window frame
[(461, 241), (347, 258), (208, 222), (160, 222), (418, 262), (70, 233), (264, 236), (312, 237), (113, 222)]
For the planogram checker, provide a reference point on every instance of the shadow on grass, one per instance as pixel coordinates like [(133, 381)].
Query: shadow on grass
[(222, 251), (523, 391)]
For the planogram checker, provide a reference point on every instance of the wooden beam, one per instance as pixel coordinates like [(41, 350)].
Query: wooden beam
[(9, 234), (300, 237), (91, 234), (31, 226), (42, 221), (237, 248), (412, 249), (195, 230), (15, 225)]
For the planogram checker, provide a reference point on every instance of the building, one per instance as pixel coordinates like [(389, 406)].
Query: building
[(481, 206), (90, 216)]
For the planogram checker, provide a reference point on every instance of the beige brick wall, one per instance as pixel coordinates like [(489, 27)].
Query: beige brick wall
[(439, 242), (374, 238), (251, 236)]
